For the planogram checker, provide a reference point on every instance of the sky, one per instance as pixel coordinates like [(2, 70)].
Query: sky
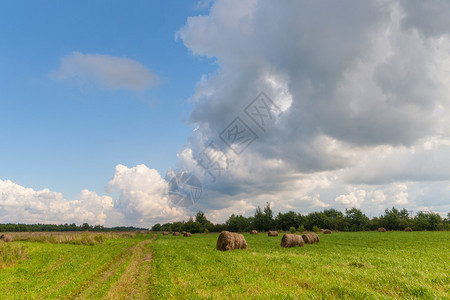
[(303, 105)]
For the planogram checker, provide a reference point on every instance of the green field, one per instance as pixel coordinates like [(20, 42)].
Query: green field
[(363, 265), (115, 268)]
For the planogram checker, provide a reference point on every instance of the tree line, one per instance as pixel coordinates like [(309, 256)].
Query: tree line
[(352, 220), (10, 227)]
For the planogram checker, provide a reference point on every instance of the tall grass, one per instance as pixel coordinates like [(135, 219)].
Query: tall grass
[(75, 237), (11, 253)]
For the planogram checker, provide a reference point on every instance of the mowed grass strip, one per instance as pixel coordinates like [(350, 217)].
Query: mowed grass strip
[(361, 265), (134, 282), (102, 281), (66, 271)]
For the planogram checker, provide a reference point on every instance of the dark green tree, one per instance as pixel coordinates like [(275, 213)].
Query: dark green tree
[(336, 219), (356, 220), (287, 220), (263, 221), (156, 227), (85, 226), (318, 219), (395, 219), (427, 221), (193, 227), (201, 218), (237, 224)]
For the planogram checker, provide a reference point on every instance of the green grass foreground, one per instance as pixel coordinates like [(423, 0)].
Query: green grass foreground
[(360, 265), (115, 267)]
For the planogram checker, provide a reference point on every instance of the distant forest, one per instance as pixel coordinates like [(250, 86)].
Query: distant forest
[(263, 220), (61, 227), (353, 220)]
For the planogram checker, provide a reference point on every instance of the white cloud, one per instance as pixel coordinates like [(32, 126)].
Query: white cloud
[(105, 70), (203, 4), (143, 196), (425, 161), (25, 205), (378, 197), (142, 201), (401, 195), (353, 199), (240, 207)]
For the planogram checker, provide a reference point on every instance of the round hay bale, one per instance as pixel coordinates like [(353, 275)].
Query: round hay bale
[(253, 232), (165, 233), (310, 238), (187, 234), (326, 231), (230, 241), (176, 233), (381, 229), (307, 238), (316, 237), (6, 238), (183, 232), (322, 230), (290, 240), (408, 229), (272, 233)]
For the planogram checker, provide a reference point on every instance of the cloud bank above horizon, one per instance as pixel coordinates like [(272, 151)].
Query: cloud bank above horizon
[(362, 93)]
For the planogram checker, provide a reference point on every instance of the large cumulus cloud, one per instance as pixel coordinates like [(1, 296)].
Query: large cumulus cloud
[(138, 197), (364, 91), (142, 196)]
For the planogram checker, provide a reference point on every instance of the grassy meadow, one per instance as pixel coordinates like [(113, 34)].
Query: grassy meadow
[(75, 266), (359, 265)]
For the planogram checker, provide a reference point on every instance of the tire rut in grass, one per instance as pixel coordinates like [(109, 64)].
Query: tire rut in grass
[(133, 281), (89, 287)]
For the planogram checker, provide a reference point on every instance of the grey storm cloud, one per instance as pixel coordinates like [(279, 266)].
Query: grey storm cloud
[(354, 75), (352, 78), (428, 17)]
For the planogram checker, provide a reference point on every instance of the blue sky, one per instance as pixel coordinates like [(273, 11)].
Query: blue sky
[(65, 136), (99, 99)]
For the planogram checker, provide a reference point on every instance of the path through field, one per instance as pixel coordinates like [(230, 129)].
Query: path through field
[(133, 264)]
